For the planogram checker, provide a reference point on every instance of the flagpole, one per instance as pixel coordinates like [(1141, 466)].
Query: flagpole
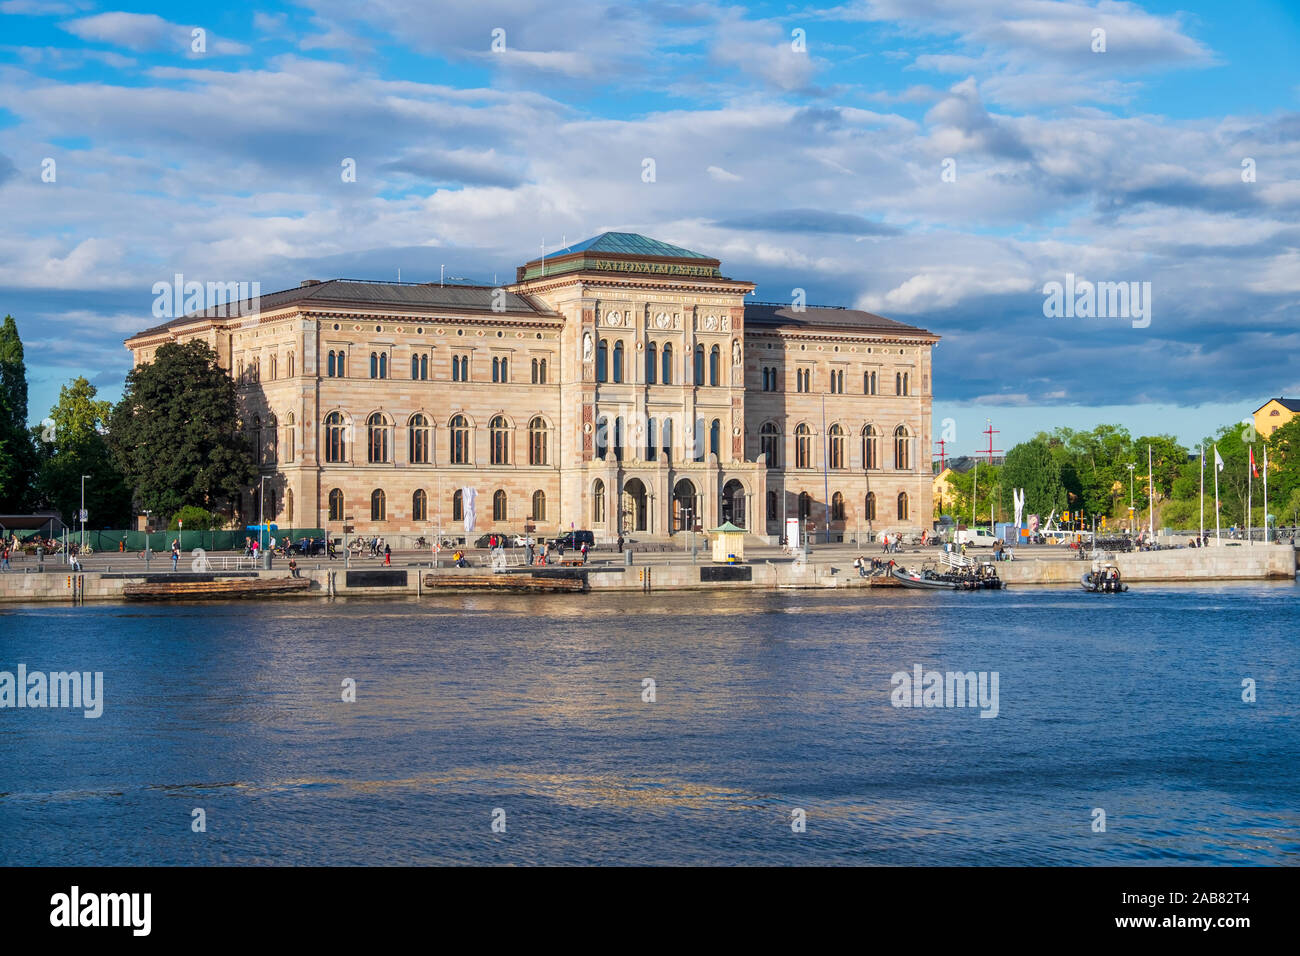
[(1264, 448), (1202, 492), (1250, 474), (1151, 498)]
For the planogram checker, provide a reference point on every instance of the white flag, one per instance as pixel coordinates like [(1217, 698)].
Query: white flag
[(1218, 462)]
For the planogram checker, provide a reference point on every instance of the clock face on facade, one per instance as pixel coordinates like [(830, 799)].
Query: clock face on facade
[(662, 320)]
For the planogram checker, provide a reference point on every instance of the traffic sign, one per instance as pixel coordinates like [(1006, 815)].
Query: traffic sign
[(83, 516)]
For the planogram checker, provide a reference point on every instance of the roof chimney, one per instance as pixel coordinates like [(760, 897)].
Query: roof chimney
[(306, 282)]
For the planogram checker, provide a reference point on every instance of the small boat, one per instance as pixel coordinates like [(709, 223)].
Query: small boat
[(924, 580), (985, 578), (1103, 580)]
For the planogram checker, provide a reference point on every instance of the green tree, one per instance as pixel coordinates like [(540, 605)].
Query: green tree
[(17, 453), (982, 482), (1033, 466), (176, 432), (73, 447), (196, 519)]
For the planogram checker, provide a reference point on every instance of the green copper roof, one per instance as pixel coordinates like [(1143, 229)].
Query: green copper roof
[(628, 244)]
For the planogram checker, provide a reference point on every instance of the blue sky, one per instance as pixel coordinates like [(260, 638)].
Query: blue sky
[(804, 146)]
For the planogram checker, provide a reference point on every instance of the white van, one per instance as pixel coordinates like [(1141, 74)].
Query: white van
[(975, 538)]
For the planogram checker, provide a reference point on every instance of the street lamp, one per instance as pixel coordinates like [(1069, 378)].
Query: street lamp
[(1130, 466), (82, 513)]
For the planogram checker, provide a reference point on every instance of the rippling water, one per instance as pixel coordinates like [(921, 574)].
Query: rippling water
[(765, 702)]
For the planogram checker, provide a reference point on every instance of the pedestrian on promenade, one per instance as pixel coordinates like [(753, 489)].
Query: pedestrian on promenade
[(121, 546), (388, 556), (620, 542), (4, 562), (293, 568), (584, 552), (884, 548), (176, 552)]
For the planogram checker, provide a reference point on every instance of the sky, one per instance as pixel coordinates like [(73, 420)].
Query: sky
[(940, 162)]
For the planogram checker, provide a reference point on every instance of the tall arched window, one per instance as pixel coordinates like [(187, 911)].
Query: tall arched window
[(342, 364), (377, 505), (499, 506), (805, 506), (458, 505), (836, 441), (374, 365), (902, 505), (418, 428), (666, 365), (256, 435), (803, 447), (335, 438), (419, 505), (715, 437), (668, 439), (288, 505), (537, 442), (620, 434), (539, 505), (907, 388), (651, 363), (769, 443), (291, 365), (870, 451), (459, 428), (618, 361), (871, 506), (290, 438), (602, 360), (541, 375), (415, 367), (336, 504), (598, 502), (771, 506), (499, 436), (869, 383), (330, 367), (602, 437), (378, 438), (700, 439), (275, 366), (272, 439), (500, 372), (698, 379), (714, 362), (902, 448), (534, 371), (651, 449), (837, 507)]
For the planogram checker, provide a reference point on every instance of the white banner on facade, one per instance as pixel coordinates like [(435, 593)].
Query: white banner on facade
[(468, 496)]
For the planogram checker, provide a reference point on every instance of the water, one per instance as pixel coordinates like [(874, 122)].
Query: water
[(766, 702)]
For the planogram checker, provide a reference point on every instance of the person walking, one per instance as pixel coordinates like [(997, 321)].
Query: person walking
[(176, 552), (4, 561), (584, 552), (388, 556), (620, 543), (884, 548)]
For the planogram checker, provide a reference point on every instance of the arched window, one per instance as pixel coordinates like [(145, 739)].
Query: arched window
[(666, 365), (771, 506), (275, 364), (330, 367), (505, 370), (377, 438), (336, 504), (458, 505), (871, 506), (418, 427), (836, 441), (342, 364), (803, 447), (805, 506), (907, 389), (598, 502), (537, 442), (291, 365), (699, 366), (374, 365), (602, 437), (902, 505), (620, 433), (383, 365), (651, 449), (699, 439), (668, 439), (837, 507), (460, 368), (377, 505), (870, 452), (272, 439), (541, 375), (419, 505), (651, 363), (869, 383), (618, 361), (415, 367), (256, 432), (539, 505), (602, 360), (500, 373), (288, 505), (290, 438), (499, 506), (902, 446), (335, 438), (715, 438), (459, 429), (769, 443), (714, 362), (499, 436), (534, 371)]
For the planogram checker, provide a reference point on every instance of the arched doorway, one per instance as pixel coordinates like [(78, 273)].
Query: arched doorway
[(733, 503), (685, 506), (633, 517)]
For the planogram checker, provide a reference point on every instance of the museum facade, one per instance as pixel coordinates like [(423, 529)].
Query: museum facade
[(621, 384)]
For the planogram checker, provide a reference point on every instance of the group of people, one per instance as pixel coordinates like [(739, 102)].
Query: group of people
[(865, 567)]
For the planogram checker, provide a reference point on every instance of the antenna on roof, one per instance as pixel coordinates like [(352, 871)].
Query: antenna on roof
[(441, 269)]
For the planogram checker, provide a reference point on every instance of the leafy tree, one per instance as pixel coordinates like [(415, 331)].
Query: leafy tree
[(17, 454), (176, 432), (196, 519), (1034, 466), (73, 447)]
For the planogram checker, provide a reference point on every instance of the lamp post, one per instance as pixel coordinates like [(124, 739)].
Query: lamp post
[(261, 515), (82, 513), (1130, 466)]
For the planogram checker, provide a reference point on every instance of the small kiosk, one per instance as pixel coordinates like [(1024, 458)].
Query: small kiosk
[(728, 544)]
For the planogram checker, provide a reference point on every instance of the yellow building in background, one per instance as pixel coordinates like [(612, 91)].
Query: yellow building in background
[(1275, 413)]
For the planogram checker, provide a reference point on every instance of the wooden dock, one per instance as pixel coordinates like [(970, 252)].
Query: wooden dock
[(517, 582), (190, 589)]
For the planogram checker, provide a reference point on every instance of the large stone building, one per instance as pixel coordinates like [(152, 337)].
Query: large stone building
[(620, 384)]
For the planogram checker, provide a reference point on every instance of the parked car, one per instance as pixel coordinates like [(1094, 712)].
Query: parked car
[(524, 540), (571, 540), (975, 537)]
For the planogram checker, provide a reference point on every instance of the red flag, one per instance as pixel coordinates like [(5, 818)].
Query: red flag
[(1253, 470)]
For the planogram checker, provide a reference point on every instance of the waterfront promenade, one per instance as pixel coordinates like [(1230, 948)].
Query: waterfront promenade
[(828, 566)]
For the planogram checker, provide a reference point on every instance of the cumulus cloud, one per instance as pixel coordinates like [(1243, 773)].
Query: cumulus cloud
[(147, 32)]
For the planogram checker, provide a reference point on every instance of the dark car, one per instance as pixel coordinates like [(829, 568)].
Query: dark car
[(572, 540)]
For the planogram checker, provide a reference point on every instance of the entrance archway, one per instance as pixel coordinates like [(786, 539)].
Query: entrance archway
[(733, 503), (633, 517), (685, 508)]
